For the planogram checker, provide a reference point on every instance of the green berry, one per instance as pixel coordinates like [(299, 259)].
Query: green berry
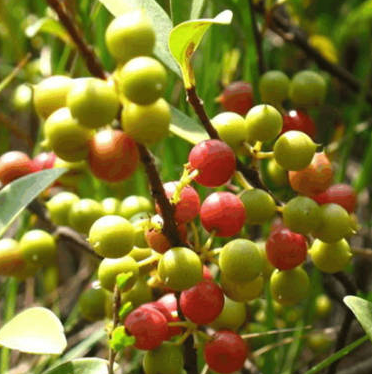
[(323, 306), (92, 304), (274, 87), (22, 97), (140, 294), (267, 268), (75, 172), (111, 206), (242, 291), (319, 342), (277, 174), (59, 207), (133, 204), (11, 259)]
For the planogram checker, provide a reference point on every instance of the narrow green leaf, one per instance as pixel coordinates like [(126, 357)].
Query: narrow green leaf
[(122, 279), (81, 366), (15, 196), (49, 26), (120, 339), (363, 312), (125, 309), (196, 8), (35, 330), (185, 38)]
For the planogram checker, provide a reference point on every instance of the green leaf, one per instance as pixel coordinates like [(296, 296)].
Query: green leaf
[(187, 128), (49, 26), (125, 309), (81, 366), (35, 330), (122, 279), (120, 339), (15, 196), (196, 8), (363, 312), (185, 38)]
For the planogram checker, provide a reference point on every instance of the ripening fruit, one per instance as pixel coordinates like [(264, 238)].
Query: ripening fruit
[(315, 178), (335, 223), (299, 121), (307, 88), (237, 97), (143, 80), (240, 260), (50, 94), (66, 137), (111, 206), (13, 165), (274, 87), (113, 156), (59, 207), (130, 35), (289, 287), (180, 268), (294, 150), (44, 160), (301, 214), (133, 204), (11, 259), (259, 206), (146, 124), (109, 268), (242, 291), (139, 294), (38, 247), (330, 258), (215, 162), (277, 175), (93, 102), (92, 303), (264, 123)]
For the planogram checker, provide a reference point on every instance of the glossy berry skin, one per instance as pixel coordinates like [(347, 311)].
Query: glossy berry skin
[(315, 178), (113, 156), (341, 194), (92, 303), (11, 259), (169, 301), (286, 249), (189, 205), (148, 326), (75, 172), (111, 206), (143, 80), (224, 213), (278, 176), (215, 162), (226, 352), (13, 165), (237, 97), (139, 294), (299, 121), (274, 87), (242, 291), (133, 204), (44, 160), (59, 207), (202, 303)]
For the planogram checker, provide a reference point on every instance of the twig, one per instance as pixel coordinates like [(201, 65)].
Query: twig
[(15, 72), (115, 318)]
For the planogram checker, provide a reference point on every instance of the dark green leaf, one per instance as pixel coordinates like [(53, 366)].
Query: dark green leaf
[(81, 366), (363, 312)]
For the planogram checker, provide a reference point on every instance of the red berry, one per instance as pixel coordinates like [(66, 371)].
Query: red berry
[(169, 301), (189, 205), (215, 162), (226, 352), (113, 156), (44, 160), (286, 249), (237, 97), (14, 165), (223, 212), (300, 121), (341, 194), (207, 275), (148, 325), (202, 303)]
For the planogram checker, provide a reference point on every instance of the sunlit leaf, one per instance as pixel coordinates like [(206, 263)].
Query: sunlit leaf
[(49, 26), (363, 312), (120, 339), (81, 366)]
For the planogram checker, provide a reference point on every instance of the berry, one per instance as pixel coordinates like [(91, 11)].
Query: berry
[(169, 301), (92, 303), (242, 291), (226, 352), (264, 123), (202, 303), (237, 97), (132, 205), (315, 178), (22, 97), (215, 162), (330, 258), (286, 249), (14, 165), (224, 213), (319, 342), (11, 259), (180, 268), (267, 268), (240, 260), (59, 207), (277, 174), (274, 86), (139, 294), (294, 150), (44, 160), (299, 121), (111, 206), (140, 254), (75, 172), (323, 306)]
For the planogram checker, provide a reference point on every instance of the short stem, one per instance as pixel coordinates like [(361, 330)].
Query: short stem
[(263, 155), (208, 243), (195, 234), (149, 260), (242, 181)]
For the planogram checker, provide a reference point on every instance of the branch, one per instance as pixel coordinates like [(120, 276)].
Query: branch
[(115, 319)]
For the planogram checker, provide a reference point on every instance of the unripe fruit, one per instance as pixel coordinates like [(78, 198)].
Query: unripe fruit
[(93, 102), (50, 94), (130, 35), (38, 247), (75, 172), (59, 207), (323, 306), (109, 268), (146, 124), (11, 259), (232, 316), (294, 150), (111, 236), (319, 342), (302, 214), (237, 97), (264, 123), (259, 206), (140, 226), (330, 258), (143, 80), (267, 268), (307, 88), (240, 260), (215, 162), (22, 97), (180, 268), (289, 287), (66, 137), (335, 223), (92, 303), (44, 160), (13, 165), (274, 87), (299, 121), (242, 291), (215, 210), (277, 174), (111, 206), (133, 204), (140, 293)]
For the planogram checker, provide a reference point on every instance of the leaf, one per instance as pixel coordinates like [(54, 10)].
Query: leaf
[(185, 38), (161, 22), (187, 128), (120, 339), (15, 196), (35, 330), (196, 8), (48, 26), (125, 309), (363, 312), (122, 279), (81, 366)]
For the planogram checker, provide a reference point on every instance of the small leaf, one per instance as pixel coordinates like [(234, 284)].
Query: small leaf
[(122, 279), (35, 330), (185, 38), (81, 366), (125, 309), (49, 26), (363, 312), (120, 339), (15, 196)]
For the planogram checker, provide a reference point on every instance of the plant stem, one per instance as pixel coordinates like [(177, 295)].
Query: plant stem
[(115, 318)]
